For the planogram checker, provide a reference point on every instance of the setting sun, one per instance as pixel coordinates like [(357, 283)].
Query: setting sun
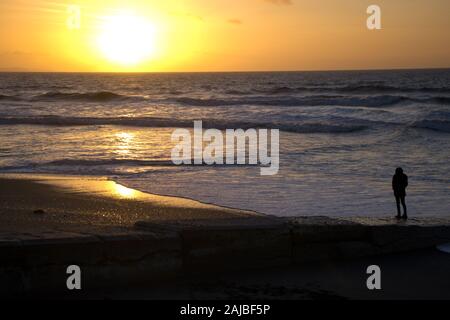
[(202, 35), (126, 39)]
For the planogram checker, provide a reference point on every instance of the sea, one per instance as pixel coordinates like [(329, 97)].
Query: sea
[(342, 135)]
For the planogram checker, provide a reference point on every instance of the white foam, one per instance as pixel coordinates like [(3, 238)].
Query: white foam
[(444, 247)]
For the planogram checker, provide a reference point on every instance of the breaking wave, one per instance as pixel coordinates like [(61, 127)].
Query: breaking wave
[(303, 127), (320, 100), (372, 88), (105, 167), (436, 125), (100, 96), (280, 96), (108, 162), (10, 98)]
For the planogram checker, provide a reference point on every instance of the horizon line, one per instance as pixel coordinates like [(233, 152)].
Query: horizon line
[(236, 71)]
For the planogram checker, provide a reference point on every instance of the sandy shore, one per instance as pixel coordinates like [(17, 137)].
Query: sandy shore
[(47, 222), (39, 203)]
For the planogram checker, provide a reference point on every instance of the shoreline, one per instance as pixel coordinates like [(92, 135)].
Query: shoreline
[(123, 238), (55, 177), (101, 193), (62, 176), (98, 201)]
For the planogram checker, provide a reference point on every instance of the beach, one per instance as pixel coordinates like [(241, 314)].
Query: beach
[(87, 178), (35, 203), (50, 222), (137, 245)]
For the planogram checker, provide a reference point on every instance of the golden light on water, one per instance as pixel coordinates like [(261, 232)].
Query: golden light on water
[(124, 192), (125, 140), (125, 136), (93, 187)]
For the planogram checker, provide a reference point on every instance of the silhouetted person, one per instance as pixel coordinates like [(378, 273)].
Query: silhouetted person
[(399, 184)]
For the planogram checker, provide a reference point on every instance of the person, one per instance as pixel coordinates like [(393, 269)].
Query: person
[(399, 184)]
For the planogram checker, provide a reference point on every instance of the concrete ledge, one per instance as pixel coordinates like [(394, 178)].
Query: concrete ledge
[(269, 241), (156, 251), (230, 244), (405, 238), (105, 260), (322, 229)]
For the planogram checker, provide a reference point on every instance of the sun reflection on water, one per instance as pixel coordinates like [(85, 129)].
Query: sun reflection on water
[(124, 192), (125, 141)]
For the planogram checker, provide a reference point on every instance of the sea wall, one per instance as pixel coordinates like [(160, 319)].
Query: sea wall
[(151, 253)]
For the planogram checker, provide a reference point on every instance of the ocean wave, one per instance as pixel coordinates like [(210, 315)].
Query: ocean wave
[(87, 121), (100, 96), (436, 125), (106, 166), (438, 100), (279, 96), (107, 162), (103, 167), (300, 127), (384, 88), (372, 88), (10, 98), (438, 115), (118, 162), (283, 90), (237, 92), (321, 100), (313, 101), (321, 127), (81, 169)]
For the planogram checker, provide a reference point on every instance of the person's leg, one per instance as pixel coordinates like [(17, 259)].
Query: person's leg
[(397, 199), (405, 215)]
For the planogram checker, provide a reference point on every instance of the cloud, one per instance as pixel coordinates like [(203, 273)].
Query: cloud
[(280, 2), (14, 53), (194, 16), (234, 21)]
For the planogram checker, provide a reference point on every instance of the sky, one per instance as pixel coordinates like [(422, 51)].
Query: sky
[(221, 35)]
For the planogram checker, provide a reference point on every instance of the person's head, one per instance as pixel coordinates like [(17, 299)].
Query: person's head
[(399, 171)]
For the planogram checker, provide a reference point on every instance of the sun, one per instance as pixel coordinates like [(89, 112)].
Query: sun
[(126, 39)]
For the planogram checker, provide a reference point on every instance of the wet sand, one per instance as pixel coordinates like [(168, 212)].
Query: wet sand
[(34, 203)]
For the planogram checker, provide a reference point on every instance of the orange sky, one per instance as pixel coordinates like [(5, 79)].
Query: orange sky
[(223, 35)]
